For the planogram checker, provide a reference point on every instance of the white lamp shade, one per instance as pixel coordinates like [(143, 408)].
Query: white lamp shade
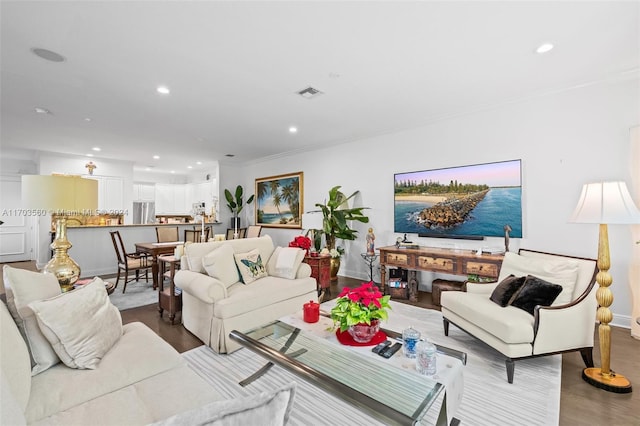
[(605, 203), (61, 194), (312, 220)]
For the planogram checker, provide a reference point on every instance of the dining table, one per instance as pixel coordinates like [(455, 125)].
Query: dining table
[(154, 250)]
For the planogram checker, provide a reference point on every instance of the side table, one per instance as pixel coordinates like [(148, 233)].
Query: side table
[(167, 298), (321, 271)]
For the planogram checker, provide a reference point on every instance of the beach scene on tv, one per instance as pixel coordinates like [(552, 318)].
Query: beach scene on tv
[(477, 200)]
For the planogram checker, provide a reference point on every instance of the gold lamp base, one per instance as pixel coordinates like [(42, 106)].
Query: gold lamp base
[(61, 265), (616, 383)]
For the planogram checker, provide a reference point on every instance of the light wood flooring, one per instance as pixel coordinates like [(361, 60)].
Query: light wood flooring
[(580, 403)]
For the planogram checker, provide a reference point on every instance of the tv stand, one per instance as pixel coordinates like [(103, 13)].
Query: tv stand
[(449, 261)]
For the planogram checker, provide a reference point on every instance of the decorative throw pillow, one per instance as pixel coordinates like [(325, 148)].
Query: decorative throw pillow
[(506, 290), (220, 264), (285, 261), (535, 291), (81, 325), (22, 288), (560, 271), (250, 266), (265, 408)]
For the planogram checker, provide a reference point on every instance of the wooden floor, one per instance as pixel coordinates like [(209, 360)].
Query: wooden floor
[(580, 403)]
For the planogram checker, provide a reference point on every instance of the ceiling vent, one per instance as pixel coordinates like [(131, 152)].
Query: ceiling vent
[(309, 93)]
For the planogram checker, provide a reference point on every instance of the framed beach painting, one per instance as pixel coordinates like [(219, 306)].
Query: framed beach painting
[(279, 201)]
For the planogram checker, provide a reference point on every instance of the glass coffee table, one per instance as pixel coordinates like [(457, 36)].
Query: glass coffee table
[(368, 381)]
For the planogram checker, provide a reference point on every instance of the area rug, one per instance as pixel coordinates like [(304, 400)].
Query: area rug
[(138, 294), (533, 398)]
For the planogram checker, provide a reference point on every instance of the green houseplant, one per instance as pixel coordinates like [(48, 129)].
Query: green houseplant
[(337, 215), (235, 203)]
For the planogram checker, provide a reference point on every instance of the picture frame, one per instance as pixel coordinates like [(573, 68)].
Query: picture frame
[(279, 201)]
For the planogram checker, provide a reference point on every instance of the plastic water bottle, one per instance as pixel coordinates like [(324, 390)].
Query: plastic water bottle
[(426, 358)]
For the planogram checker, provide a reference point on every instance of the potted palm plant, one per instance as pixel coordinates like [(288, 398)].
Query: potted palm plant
[(235, 204), (335, 223)]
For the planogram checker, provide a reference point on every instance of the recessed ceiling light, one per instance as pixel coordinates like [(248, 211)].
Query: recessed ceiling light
[(89, 155), (293, 129), (544, 48), (189, 167), (146, 169), (95, 148), (163, 90), (87, 119), (48, 55), (40, 110), (173, 171), (198, 162), (156, 157)]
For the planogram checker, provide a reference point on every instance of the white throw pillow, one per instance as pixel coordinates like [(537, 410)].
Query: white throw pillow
[(221, 265), (23, 287), (265, 408), (250, 266), (285, 261), (81, 325), (562, 271)]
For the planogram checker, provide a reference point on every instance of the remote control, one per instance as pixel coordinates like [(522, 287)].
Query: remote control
[(381, 346), (388, 352)]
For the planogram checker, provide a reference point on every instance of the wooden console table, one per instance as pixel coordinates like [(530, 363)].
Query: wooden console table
[(449, 261)]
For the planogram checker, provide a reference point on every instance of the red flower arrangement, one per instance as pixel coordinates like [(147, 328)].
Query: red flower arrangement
[(360, 305), (302, 242)]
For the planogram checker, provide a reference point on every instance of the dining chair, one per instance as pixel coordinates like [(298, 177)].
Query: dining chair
[(242, 233), (166, 234), (195, 235), (129, 262), (253, 231)]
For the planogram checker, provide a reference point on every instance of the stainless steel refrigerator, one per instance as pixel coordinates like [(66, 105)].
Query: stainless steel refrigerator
[(144, 212)]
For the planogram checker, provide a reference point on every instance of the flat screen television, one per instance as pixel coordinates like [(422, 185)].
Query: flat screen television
[(468, 202)]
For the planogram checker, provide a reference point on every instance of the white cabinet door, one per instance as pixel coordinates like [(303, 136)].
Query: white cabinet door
[(147, 192), (164, 199), (110, 193), (180, 200)]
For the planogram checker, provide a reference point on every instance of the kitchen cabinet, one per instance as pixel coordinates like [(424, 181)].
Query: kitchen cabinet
[(144, 192), (179, 199), (110, 193)]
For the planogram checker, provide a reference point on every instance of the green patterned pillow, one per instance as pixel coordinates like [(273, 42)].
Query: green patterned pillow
[(250, 266)]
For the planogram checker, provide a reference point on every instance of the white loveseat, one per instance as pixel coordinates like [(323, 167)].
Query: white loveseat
[(215, 301), (567, 325)]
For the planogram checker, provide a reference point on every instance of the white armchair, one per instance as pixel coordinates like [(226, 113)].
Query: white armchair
[(567, 325)]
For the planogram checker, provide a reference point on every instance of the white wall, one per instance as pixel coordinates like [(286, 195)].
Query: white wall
[(564, 140)]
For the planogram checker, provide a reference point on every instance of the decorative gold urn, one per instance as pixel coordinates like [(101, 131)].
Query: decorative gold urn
[(334, 267)]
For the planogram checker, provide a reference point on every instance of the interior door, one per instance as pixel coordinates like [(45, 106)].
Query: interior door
[(16, 230)]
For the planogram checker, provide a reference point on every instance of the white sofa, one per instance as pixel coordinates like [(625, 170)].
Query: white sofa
[(567, 325), (215, 301), (142, 379)]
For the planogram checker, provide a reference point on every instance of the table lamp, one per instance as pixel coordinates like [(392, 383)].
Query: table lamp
[(61, 196), (605, 203)]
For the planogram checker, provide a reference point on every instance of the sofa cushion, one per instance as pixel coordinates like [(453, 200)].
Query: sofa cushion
[(221, 265), (87, 328), (22, 288), (510, 324), (138, 355), (285, 261), (265, 408), (194, 252), (506, 290), (535, 291), (563, 272), (15, 366), (250, 266), (260, 293)]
